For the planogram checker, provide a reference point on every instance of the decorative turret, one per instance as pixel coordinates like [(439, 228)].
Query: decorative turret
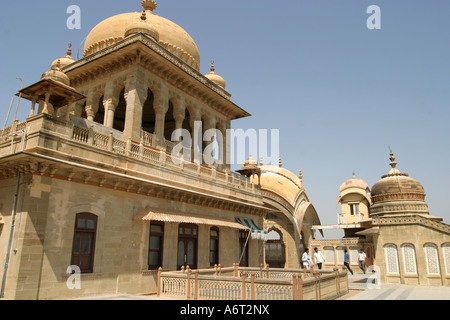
[(214, 77)]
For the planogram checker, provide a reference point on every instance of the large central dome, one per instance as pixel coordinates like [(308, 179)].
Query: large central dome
[(171, 36)]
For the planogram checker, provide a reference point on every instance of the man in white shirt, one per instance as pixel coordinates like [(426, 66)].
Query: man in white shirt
[(306, 259), (362, 260), (318, 258)]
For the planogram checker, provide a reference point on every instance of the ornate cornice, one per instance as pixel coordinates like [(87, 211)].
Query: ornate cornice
[(410, 220)]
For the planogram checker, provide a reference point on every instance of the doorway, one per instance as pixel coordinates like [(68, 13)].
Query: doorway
[(187, 246)]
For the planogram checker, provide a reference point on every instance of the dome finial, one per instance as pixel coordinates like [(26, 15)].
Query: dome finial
[(280, 163), (69, 50), (149, 5), (143, 16), (213, 68), (354, 174), (392, 158)]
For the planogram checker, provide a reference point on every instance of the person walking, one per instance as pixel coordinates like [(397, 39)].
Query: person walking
[(347, 261), (318, 258), (362, 260), (306, 259)]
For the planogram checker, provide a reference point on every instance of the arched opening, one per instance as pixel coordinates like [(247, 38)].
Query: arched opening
[(169, 123), (120, 113), (100, 115), (275, 250)]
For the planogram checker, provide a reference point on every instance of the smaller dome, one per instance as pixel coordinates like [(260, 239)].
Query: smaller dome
[(396, 192), (64, 61), (214, 77), (55, 74), (354, 183), (142, 27), (250, 163)]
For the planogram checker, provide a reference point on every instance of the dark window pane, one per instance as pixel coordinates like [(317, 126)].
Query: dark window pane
[(155, 243), (77, 244), (153, 258), (81, 223), (87, 244)]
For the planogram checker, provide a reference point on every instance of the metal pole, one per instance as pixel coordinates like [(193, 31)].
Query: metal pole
[(20, 96), (7, 117), (11, 232)]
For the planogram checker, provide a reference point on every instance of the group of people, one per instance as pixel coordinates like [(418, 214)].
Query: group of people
[(319, 259)]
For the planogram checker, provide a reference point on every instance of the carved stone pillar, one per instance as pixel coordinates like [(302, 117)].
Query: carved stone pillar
[(196, 134), (91, 106), (135, 96), (46, 102), (221, 141), (110, 103), (227, 145), (160, 118), (33, 107), (179, 114), (209, 124)]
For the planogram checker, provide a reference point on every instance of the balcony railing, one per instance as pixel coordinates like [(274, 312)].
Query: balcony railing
[(236, 283), (97, 138)]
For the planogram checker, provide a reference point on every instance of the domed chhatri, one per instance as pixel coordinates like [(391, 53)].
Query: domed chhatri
[(214, 77), (396, 192), (64, 61), (354, 183), (55, 74), (171, 36)]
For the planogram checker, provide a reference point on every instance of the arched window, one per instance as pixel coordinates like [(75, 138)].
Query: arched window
[(431, 254), (446, 252), (409, 259), (214, 247), (83, 248), (391, 255)]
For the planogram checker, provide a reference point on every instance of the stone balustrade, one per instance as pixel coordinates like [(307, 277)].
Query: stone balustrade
[(236, 283)]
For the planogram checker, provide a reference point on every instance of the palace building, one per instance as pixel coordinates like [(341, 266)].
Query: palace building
[(94, 181), (392, 224), (90, 182)]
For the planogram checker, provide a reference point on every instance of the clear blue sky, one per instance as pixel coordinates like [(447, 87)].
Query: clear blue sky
[(339, 92)]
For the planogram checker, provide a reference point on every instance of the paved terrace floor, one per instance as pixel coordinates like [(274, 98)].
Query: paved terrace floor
[(359, 290)]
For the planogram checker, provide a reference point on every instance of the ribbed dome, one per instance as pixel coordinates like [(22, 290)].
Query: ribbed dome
[(396, 192), (171, 36)]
